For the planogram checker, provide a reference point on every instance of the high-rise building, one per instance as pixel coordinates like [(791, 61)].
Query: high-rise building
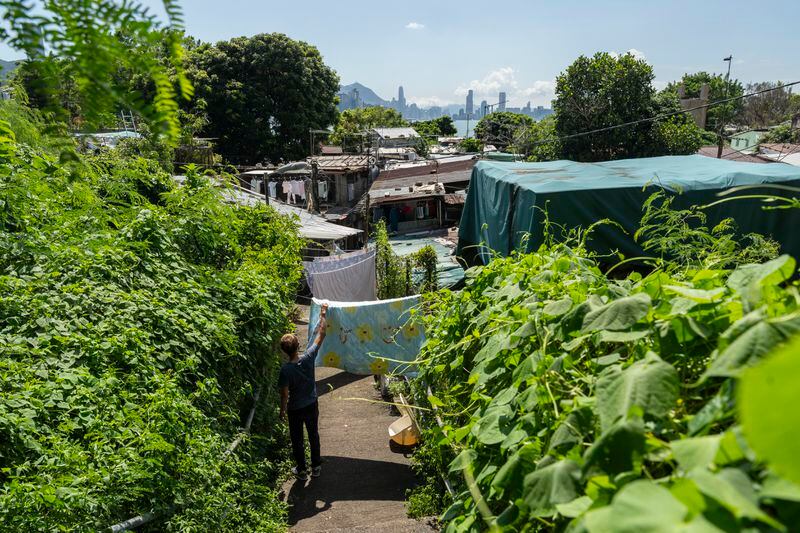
[(401, 98), (502, 102), (484, 108), (470, 103)]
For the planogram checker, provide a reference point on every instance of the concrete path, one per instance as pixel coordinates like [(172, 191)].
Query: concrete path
[(363, 482)]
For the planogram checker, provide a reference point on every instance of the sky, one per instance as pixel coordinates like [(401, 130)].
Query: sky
[(438, 49)]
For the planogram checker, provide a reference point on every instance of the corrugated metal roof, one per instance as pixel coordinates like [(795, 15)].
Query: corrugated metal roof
[(343, 163), (311, 226), (396, 133), (732, 155)]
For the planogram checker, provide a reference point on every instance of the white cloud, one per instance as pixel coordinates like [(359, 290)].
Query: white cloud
[(502, 79), (505, 79), (540, 89), (637, 54), (427, 101), (415, 26)]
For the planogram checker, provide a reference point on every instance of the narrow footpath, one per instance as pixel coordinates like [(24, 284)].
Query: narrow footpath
[(363, 482)]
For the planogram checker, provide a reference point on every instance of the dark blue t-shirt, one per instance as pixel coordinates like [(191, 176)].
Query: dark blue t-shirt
[(299, 377)]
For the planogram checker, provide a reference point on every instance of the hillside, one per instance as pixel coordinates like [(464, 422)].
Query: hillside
[(367, 95), (6, 67)]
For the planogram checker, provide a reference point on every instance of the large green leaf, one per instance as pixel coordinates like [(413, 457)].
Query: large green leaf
[(641, 506), (776, 271), (649, 384), (571, 431), (619, 449), (752, 344), (493, 427), (697, 452), (463, 460), (734, 491), (617, 315), (769, 403), (551, 485)]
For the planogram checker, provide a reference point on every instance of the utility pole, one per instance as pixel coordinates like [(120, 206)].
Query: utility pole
[(723, 115), (313, 205)]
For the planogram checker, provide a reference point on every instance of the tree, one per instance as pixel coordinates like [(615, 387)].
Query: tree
[(470, 145), (353, 122), (605, 91), (263, 94), (602, 91), (537, 142), (501, 128), (437, 127), (716, 83), (766, 109), (783, 133), (83, 44)]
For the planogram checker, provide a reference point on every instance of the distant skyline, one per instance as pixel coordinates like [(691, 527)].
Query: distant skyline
[(438, 51)]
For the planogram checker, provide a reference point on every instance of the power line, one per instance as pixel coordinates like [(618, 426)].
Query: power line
[(664, 115), (649, 119)]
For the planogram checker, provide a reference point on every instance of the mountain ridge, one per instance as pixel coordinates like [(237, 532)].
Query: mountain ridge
[(367, 95)]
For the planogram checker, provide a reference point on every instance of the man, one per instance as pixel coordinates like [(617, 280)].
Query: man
[(299, 397)]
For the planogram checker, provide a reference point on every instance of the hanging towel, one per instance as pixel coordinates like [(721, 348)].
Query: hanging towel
[(351, 192), (273, 189), (301, 190), (351, 279), (322, 190), (369, 337)]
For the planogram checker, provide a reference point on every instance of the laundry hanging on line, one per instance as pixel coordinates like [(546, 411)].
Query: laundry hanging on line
[(351, 278), (321, 264), (366, 338)]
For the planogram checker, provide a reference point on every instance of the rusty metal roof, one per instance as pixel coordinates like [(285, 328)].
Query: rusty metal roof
[(343, 163)]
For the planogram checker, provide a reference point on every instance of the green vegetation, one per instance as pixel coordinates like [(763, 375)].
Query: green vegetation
[(784, 133), (137, 321), (502, 128), (352, 123), (263, 94), (471, 145), (717, 91), (396, 274), (572, 400), (591, 94), (603, 91), (77, 48), (437, 127)]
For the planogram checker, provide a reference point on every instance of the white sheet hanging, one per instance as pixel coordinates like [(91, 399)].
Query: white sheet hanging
[(353, 280)]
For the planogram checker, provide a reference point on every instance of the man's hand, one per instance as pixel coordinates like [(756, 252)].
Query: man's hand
[(323, 324)]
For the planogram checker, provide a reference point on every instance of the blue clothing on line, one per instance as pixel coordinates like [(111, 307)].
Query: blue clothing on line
[(299, 377)]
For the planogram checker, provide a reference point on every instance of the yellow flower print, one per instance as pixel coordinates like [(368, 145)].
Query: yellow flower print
[(410, 330), (396, 305), (379, 367), (330, 327), (364, 333), (332, 359), (350, 310)]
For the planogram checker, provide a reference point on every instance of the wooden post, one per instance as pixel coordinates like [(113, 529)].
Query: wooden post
[(313, 205)]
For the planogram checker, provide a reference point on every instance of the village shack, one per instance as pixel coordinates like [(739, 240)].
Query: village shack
[(424, 198), (506, 203)]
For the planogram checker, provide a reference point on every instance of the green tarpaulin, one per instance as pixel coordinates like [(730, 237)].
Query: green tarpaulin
[(505, 204)]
